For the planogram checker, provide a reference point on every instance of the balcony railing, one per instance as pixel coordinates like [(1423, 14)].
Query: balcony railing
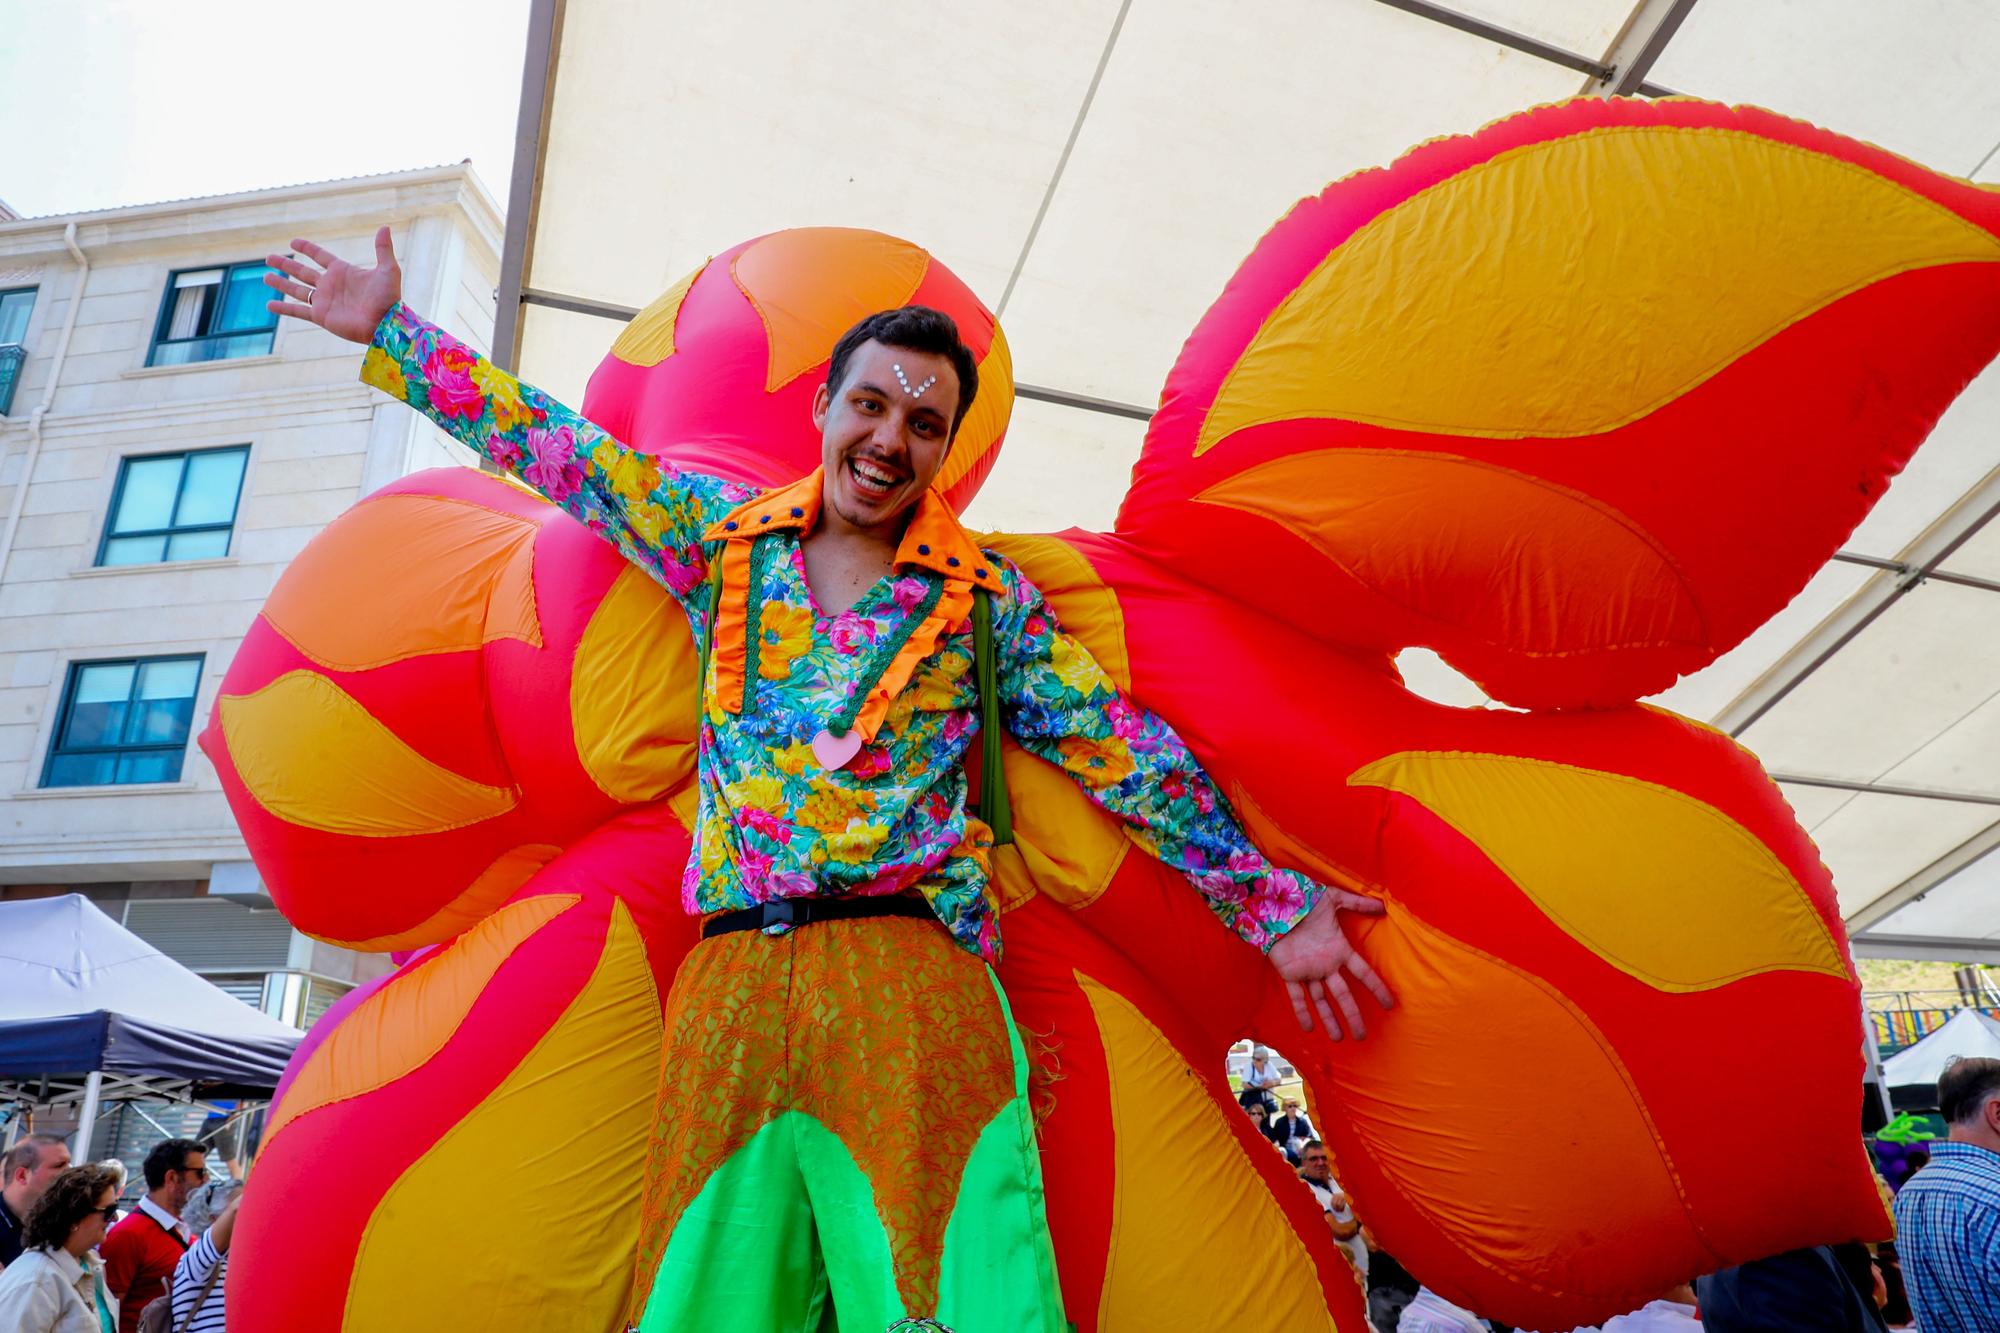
[(1901, 1019), (13, 357)]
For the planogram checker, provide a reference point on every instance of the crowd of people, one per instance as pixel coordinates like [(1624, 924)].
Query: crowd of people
[(70, 1264), (1941, 1275)]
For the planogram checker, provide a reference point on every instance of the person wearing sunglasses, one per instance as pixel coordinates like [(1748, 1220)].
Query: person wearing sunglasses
[(141, 1251), (57, 1285)]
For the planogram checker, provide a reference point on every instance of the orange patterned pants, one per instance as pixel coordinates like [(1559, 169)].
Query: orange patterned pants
[(843, 1141)]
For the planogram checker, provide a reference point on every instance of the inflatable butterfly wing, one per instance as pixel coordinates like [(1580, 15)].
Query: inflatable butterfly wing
[(1577, 401)]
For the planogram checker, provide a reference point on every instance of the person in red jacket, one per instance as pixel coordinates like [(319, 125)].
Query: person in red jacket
[(141, 1251)]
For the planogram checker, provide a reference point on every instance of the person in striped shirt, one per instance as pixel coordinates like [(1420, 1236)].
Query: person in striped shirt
[(196, 1287), (1948, 1214)]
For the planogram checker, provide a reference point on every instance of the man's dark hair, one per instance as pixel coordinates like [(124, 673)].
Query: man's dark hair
[(168, 1155), (67, 1201), (26, 1155), (1310, 1144), (1964, 1087), (921, 329)]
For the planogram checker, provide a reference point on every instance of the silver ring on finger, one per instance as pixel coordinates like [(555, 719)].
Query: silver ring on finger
[(309, 295)]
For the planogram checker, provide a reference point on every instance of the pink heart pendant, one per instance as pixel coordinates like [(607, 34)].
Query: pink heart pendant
[(834, 751)]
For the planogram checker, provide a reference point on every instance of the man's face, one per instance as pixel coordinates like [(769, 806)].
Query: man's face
[(52, 1163), (1291, 1108), (1313, 1165), (180, 1184), (882, 445)]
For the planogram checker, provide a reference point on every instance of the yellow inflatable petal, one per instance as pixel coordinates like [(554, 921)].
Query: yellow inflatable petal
[(1491, 351), (1083, 603), (410, 1019), (429, 574), (1376, 515), (988, 415), (632, 695), (811, 284), (1063, 845), (649, 338), (559, 1254), (313, 756), (1166, 1222), (1656, 883)]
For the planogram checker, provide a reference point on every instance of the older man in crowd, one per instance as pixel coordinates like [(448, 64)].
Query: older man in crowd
[(141, 1251), (1948, 1215), (1316, 1169), (25, 1172)]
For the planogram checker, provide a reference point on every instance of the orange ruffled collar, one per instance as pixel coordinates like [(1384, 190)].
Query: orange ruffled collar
[(934, 541)]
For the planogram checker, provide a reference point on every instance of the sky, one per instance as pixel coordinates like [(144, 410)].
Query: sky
[(114, 102)]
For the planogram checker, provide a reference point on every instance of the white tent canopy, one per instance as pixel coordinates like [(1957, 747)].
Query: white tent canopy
[(1966, 1033), (1096, 169), (88, 1009)]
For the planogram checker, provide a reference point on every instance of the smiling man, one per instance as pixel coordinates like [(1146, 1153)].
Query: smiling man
[(848, 924)]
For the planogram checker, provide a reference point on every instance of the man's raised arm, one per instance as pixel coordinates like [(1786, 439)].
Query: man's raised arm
[(1059, 703), (652, 512)]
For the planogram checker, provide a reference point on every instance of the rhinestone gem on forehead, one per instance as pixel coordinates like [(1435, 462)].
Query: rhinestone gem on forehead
[(904, 380)]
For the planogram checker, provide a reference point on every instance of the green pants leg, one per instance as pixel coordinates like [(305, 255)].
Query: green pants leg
[(846, 1143)]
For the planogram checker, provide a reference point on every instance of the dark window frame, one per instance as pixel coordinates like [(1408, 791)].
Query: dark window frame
[(171, 531), (74, 678), (6, 292), (160, 338), (14, 355)]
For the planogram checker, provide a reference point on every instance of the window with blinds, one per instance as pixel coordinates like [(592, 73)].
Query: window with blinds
[(214, 314)]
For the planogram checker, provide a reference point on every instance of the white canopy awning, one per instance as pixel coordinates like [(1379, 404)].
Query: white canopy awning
[(1096, 169), (1967, 1033)]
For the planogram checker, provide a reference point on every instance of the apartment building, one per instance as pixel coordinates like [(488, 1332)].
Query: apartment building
[(166, 447)]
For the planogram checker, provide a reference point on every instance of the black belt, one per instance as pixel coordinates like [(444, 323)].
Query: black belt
[(805, 911)]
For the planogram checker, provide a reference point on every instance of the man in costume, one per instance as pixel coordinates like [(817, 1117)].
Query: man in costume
[(840, 622)]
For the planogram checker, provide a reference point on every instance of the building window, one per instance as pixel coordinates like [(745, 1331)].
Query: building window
[(123, 721), (15, 307), (213, 314), (174, 507)]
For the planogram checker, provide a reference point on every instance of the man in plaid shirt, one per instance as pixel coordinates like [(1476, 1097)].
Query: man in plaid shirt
[(1948, 1215)]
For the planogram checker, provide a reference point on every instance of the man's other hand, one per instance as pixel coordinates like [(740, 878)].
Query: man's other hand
[(1314, 955)]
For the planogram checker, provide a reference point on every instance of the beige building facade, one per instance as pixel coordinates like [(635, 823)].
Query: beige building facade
[(166, 448)]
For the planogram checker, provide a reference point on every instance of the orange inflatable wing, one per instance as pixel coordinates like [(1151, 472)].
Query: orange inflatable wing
[(421, 716), (1577, 401), (1578, 902)]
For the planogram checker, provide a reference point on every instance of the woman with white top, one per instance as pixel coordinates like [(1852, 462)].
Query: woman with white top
[(57, 1285), (1259, 1080)]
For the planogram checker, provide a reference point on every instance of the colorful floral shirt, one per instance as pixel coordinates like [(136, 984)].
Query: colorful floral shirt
[(773, 822)]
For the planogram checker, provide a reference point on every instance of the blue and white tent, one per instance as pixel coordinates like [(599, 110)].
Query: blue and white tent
[(81, 995)]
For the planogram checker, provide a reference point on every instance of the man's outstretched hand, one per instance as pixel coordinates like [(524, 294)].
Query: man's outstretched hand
[(345, 299), (1312, 957)]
